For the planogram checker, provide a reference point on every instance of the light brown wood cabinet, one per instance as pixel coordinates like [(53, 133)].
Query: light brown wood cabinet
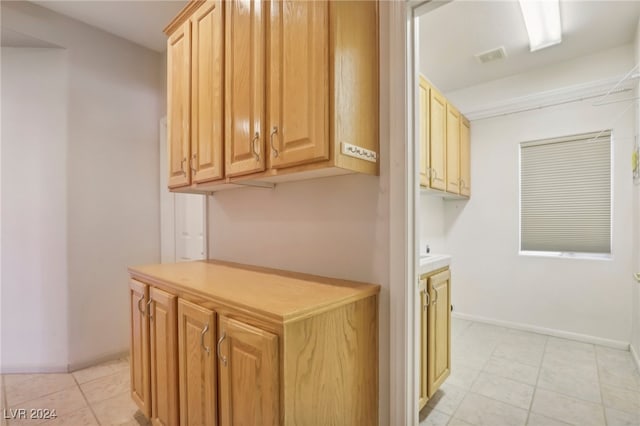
[(198, 365), (299, 99), (435, 332), (164, 357), (194, 96), (444, 144), (252, 346), (139, 356)]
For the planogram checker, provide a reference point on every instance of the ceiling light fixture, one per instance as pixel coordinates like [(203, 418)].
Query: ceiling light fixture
[(542, 19)]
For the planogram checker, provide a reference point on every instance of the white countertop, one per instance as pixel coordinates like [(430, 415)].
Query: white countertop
[(431, 262)]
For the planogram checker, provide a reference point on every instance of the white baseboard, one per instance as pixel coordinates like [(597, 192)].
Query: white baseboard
[(616, 344), (67, 368), (95, 361), (635, 356), (33, 369)]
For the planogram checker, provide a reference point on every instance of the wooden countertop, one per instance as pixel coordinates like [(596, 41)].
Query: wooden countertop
[(281, 295)]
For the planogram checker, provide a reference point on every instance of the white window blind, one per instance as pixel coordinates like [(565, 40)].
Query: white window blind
[(565, 194)]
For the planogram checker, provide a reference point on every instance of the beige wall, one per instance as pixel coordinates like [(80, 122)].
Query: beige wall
[(112, 200)]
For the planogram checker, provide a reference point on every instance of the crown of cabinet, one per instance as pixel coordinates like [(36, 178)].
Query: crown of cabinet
[(261, 92)]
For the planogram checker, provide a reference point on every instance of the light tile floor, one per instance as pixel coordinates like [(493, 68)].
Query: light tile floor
[(97, 395), (505, 377)]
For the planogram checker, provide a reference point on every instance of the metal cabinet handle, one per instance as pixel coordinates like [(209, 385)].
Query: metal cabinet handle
[(149, 309), (637, 275), (204, 331), (274, 131), (141, 310), (191, 162), (184, 172), (255, 139), (435, 299), (426, 304), (220, 356), (435, 175)]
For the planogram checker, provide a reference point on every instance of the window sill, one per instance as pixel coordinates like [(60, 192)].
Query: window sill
[(568, 255)]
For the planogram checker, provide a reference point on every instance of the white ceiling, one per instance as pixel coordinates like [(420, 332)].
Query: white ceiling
[(140, 21), (452, 34)]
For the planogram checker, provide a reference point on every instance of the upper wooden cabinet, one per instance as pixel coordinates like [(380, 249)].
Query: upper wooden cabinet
[(207, 85), (453, 150), (179, 105), (245, 30), (443, 143), (298, 83), (194, 94), (299, 97), (465, 157)]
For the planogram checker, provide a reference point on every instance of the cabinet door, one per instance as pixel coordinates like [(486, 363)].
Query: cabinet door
[(423, 123), (437, 139), (465, 157), (244, 87), (164, 358), (249, 375), (207, 84), (197, 365), (453, 150), (298, 69), (424, 322), (439, 355), (179, 105), (140, 383)]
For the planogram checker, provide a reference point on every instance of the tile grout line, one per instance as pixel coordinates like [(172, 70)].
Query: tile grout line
[(535, 386), (604, 411), (86, 400)]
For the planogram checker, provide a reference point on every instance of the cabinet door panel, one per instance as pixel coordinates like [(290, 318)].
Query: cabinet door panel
[(437, 139), (453, 150), (423, 123), (207, 120), (424, 323), (465, 157), (179, 105), (197, 365), (164, 358), (439, 356), (140, 382), (249, 375), (244, 87), (298, 66)]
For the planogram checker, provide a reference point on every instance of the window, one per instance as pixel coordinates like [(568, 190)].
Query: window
[(565, 195)]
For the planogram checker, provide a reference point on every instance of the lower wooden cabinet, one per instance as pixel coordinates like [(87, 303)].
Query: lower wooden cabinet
[(164, 357), (198, 367), (201, 354), (249, 375), (139, 357), (435, 332)]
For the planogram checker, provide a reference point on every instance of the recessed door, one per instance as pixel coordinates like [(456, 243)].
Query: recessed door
[(140, 381), (207, 97), (244, 87), (298, 69), (197, 365), (249, 375), (164, 358), (179, 105)]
